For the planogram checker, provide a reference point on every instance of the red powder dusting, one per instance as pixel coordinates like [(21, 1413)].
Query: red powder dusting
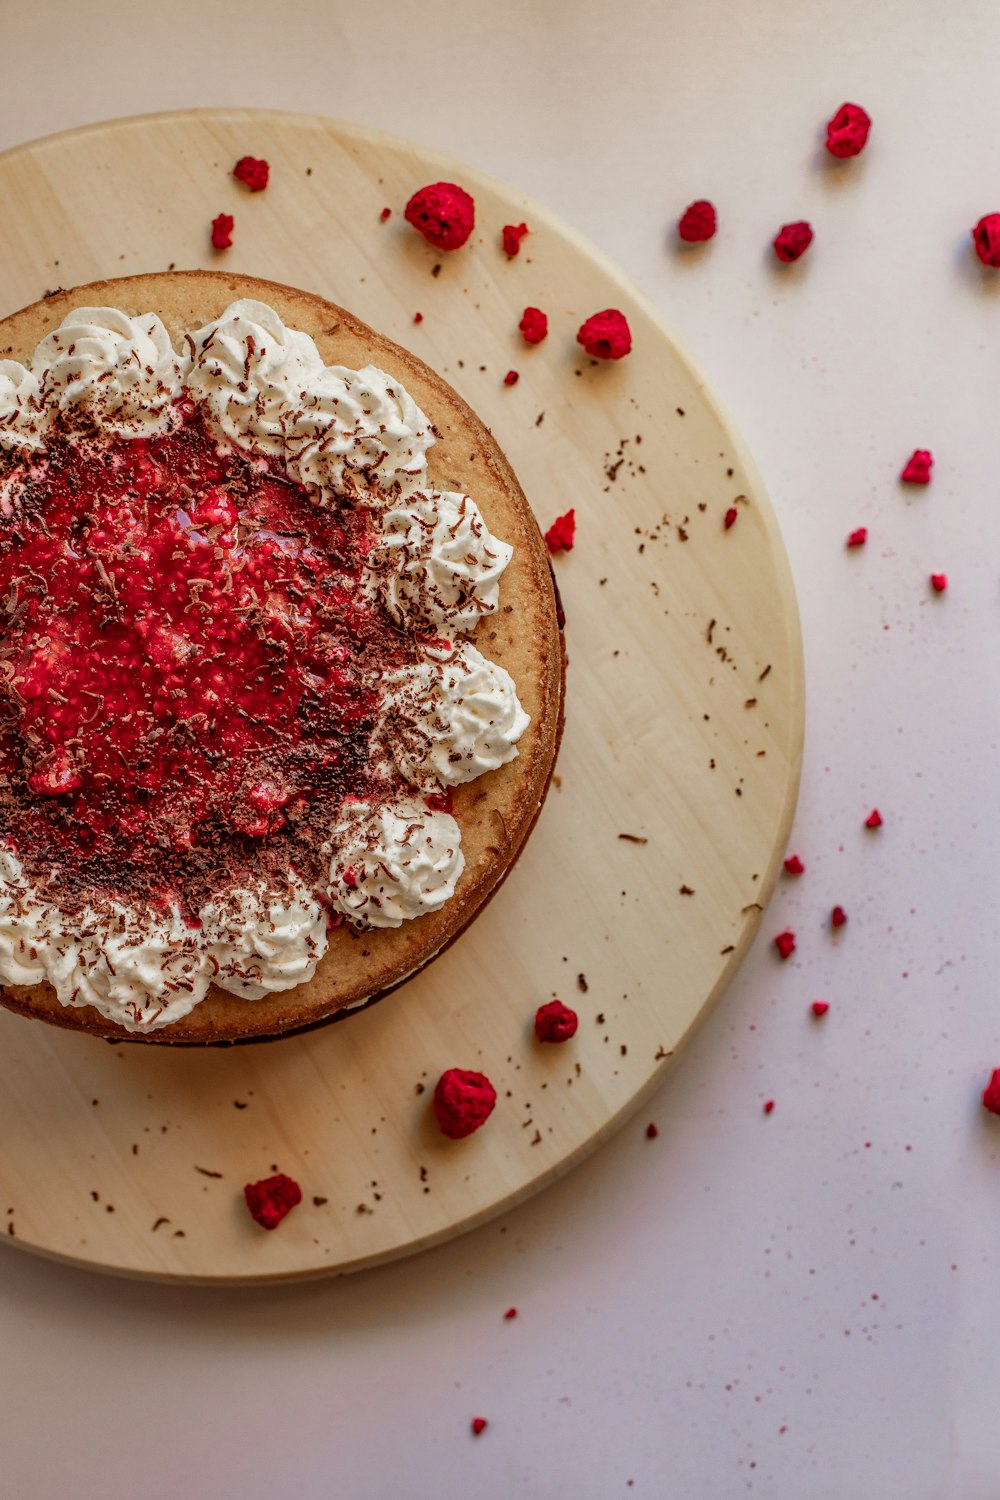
[(785, 944), (939, 582), (794, 865), (838, 917), (819, 1008), (651, 1131), (561, 534), (729, 519), (512, 235), (768, 1106), (478, 1424), (555, 1022), (793, 240), (443, 213), (222, 231), (917, 469), (271, 1199), (253, 172), (509, 1314), (698, 222), (605, 335), (991, 1094), (986, 238), (511, 377), (462, 1102), (858, 538), (385, 214), (847, 132), (534, 325), (874, 819)]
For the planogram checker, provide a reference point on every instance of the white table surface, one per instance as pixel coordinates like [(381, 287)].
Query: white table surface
[(797, 1305)]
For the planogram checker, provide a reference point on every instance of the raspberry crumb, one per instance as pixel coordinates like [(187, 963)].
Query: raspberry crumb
[(562, 533), (858, 538), (512, 235), (511, 377), (838, 917), (819, 1008), (729, 518), (605, 335), (847, 131), (418, 317), (768, 1106), (253, 172), (222, 231), (478, 1424), (986, 238), (991, 1093), (555, 1022), (443, 213), (651, 1131), (510, 1313), (792, 240), (939, 582), (271, 1199), (385, 214), (698, 222), (462, 1102), (917, 469), (794, 865), (874, 819), (534, 325), (785, 944)]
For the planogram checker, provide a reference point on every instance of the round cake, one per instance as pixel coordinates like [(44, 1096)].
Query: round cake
[(281, 671)]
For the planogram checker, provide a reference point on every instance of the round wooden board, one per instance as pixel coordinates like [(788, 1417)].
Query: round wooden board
[(644, 881)]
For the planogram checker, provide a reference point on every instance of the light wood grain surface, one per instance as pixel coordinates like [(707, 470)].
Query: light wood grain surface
[(685, 709)]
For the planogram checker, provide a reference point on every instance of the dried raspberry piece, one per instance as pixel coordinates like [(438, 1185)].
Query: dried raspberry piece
[(443, 213), (605, 335), (858, 538), (555, 1022), (253, 172), (939, 582), (271, 1199), (991, 1093), (651, 1131), (440, 801), (478, 1425), (534, 325), (511, 377), (917, 469), (847, 132), (819, 1008), (768, 1106), (222, 231), (729, 519), (838, 917), (986, 238), (385, 214), (509, 1314), (785, 944), (562, 532), (698, 222), (794, 865), (462, 1102), (793, 240), (418, 317), (512, 235), (874, 819)]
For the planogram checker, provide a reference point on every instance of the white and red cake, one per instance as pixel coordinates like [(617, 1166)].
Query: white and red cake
[(280, 668)]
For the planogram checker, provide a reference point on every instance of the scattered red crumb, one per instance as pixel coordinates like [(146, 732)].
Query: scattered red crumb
[(605, 335), (253, 172), (418, 317), (555, 1022), (443, 213), (838, 917), (793, 240), (512, 235), (510, 1313), (385, 214), (511, 377), (698, 222), (768, 1106), (917, 469), (462, 1102), (350, 877), (651, 1131), (847, 132), (794, 865), (534, 325), (785, 944), (440, 801), (991, 1093), (858, 537), (478, 1424), (939, 582), (874, 819), (820, 1007), (271, 1199), (222, 231), (986, 238), (729, 518), (562, 533)]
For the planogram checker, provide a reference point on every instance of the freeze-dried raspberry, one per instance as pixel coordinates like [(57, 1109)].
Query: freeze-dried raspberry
[(253, 172), (385, 214), (462, 1102), (443, 213), (838, 917), (478, 1425), (509, 1314), (271, 1199), (858, 537), (939, 582), (874, 819), (794, 865), (698, 222), (222, 231), (768, 1106), (440, 801), (847, 132), (651, 1131), (418, 317), (512, 235), (561, 534), (819, 1008), (555, 1022), (729, 519), (991, 1093), (785, 944), (511, 377), (605, 335), (793, 240), (917, 469), (986, 238), (534, 325)]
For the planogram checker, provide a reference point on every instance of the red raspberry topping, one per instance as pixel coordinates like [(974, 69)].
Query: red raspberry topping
[(562, 532), (512, 235), (917, 469), (986, 238), (478, 1425), (991, 1093), (511, 377), (794, 865), (847, 132), (534, 325), (785, 944), (418, 317), (443, 213), (222, 231), (768, 1106), (462, 1102), (555, 1022), (858, 538), (509, 1314), (838, 917), (819, 1008), (385, 214), (698, 222), (793, 240), (271, 1199), (440, 801), (939, 582), (729, 519), (874, 819), (605, 335), (253, 172)]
